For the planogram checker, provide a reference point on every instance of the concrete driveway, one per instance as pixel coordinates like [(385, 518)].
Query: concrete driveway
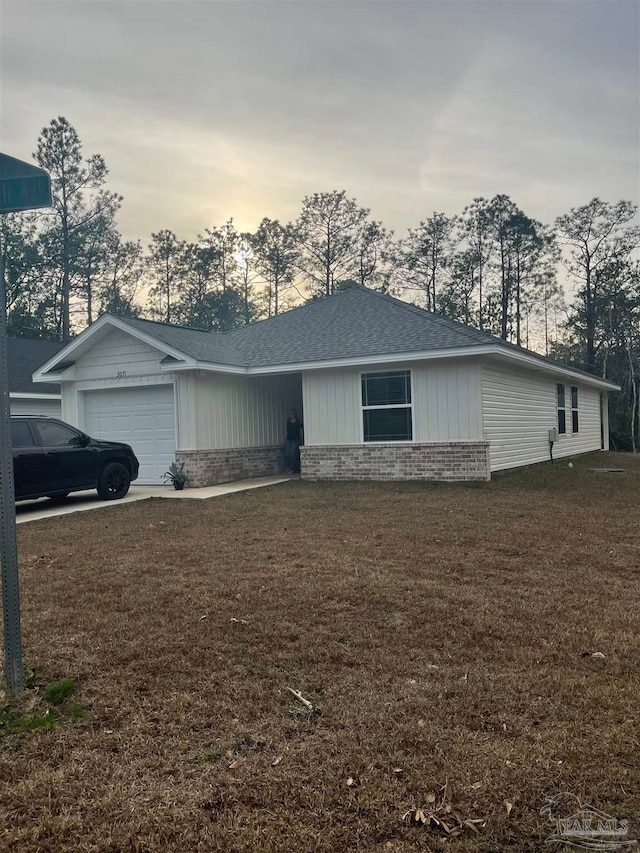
[(83, 501)]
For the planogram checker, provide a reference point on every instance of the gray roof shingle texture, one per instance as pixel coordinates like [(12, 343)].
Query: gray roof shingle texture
[(355, 323), (24, 357), (213, 347), (352, 324)]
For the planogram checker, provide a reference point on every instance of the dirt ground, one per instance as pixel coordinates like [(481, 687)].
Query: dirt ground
[(468, 651)]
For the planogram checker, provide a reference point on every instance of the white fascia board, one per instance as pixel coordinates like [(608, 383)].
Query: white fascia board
[(556, 370), (522, 358), (208, 366), (42, 375), (27, 395)]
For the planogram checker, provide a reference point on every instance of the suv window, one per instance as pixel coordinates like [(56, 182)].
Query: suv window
[(53, 434), (21, 434)]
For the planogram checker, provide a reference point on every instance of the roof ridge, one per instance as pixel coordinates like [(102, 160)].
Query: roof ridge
[(319, 300), (158, 323)]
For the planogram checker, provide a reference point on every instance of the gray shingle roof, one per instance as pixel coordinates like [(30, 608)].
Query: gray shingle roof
[(354, 323), (24, 357), (212, 347)]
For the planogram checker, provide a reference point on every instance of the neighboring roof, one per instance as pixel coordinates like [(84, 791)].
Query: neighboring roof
[(25, 356), (355, 325)]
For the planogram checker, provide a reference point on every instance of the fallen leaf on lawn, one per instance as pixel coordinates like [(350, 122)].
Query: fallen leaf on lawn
[(508, 806), (397, 771), (476, 785), (598, 655), (353, 782), (203, 617), (235, 764), (431, 798), (276, 761), (421, 723), (447, 791)]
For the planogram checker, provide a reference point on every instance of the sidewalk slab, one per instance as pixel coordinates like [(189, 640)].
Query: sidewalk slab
[(84, 501)]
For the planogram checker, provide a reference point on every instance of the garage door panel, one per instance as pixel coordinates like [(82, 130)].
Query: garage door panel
[(141, 417)]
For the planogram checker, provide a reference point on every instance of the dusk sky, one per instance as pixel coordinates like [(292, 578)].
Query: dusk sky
[(206, 110)]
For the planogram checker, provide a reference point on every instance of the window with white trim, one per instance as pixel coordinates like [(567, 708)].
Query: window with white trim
[(574, 409), (386, 406), (562, 409)]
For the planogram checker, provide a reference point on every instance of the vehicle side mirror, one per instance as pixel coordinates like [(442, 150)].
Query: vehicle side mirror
[(85, 440)]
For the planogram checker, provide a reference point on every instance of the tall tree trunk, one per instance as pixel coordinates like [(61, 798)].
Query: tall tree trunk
[(327, 284), (518, 298), (66, 282), (634, 398), (504, 295), (590, 322)]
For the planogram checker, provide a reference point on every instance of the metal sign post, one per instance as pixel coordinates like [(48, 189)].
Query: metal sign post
[(22, 187)]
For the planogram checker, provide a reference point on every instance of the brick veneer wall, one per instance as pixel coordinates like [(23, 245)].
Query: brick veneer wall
[(455, 460), (208, 467)]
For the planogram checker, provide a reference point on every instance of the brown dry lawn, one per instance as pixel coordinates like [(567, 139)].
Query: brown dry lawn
[(444, 633)]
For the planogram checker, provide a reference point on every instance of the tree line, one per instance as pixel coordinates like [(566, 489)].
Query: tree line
[(491, 266)]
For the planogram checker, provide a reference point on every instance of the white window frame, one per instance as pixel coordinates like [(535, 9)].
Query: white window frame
[(560, 408), (364, 408), (576, 409)]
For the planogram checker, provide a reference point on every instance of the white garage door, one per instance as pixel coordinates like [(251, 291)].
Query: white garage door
[(141, 417)]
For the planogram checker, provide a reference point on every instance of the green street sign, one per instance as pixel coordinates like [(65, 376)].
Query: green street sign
[(22, 186)]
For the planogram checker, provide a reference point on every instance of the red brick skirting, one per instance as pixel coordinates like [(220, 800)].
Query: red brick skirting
[(208, 467), (455, 460)]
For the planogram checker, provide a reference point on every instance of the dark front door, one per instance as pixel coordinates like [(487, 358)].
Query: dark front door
[(28, 460), (70, 464)]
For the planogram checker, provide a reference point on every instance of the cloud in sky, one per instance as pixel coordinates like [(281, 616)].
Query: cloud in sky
[(205, 110)]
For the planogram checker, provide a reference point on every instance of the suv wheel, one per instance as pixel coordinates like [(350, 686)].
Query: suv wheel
[(114, 482)]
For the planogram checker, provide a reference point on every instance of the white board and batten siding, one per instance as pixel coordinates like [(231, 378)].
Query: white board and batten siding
[(445, 401), (118, 392), (519, 407), (219, 411)]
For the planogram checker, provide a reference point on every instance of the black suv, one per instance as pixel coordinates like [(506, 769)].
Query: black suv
[(51, 459)]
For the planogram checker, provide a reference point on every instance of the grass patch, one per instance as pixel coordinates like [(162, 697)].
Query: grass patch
[(41, 707), (13, 722), (474, 651), (59, 691)]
